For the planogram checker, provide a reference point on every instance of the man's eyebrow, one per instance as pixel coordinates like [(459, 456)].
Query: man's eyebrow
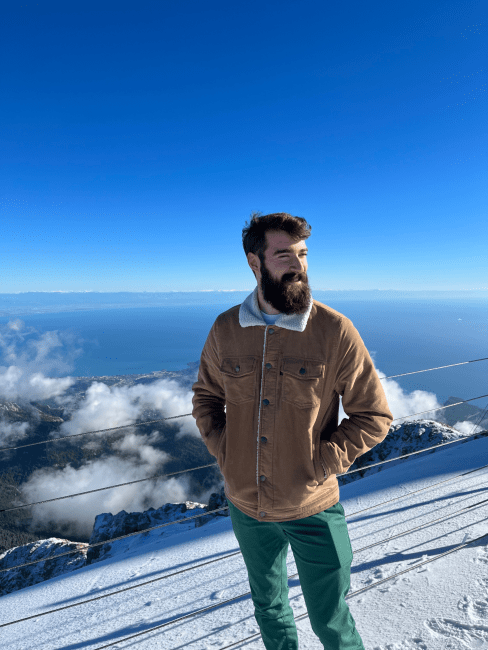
[(289, 250)]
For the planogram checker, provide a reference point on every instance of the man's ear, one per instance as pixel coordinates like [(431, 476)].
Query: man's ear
[(253, 261)]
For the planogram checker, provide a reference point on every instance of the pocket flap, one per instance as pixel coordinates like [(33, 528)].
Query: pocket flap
[(238, 366), (303, 368)]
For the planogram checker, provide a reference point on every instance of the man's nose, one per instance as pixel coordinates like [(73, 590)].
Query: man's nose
[(296, 264)]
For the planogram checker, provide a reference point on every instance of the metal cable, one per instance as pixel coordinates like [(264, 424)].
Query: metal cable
[(402, 496), (353, 514), (429, 523), (115, 539), (412, 453), (480, 418), (85, 433), (224, 602), (293, 575), (438, 368), (439, 408), (108, 487), (138, 424), (191, 469), (354, 593)]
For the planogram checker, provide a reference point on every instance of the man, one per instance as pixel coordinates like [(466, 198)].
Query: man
[(278, 364)]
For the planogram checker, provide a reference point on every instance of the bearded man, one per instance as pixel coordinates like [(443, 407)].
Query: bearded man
[(266, 403)]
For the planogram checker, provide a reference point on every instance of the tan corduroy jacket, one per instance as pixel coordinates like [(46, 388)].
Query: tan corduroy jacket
[(266, 403)]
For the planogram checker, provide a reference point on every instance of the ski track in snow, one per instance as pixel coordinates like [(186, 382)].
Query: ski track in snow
[(439, 606)]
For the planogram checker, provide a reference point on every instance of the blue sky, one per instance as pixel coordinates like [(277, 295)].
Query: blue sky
[(137, 137)]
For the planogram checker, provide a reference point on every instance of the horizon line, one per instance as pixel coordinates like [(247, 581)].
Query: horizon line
[(16, 293)]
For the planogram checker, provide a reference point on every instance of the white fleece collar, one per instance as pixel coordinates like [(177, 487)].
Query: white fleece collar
[(250, 314)]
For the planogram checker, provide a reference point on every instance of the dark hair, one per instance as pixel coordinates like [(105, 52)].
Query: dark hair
[(254, 234)]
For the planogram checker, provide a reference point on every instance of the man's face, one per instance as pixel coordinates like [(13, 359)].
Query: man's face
[(283, 274)]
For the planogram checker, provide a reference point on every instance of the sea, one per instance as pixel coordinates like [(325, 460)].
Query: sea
[(404, 332)]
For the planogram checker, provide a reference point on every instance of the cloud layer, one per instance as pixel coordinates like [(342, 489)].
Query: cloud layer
[(403, 404), (30, 362), (30, 358), (105, 406)]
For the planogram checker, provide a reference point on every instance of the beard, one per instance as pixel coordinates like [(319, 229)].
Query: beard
[(286, 296)]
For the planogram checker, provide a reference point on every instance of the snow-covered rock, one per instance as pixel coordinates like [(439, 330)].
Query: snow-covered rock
[(107, 526), (403, 439), (16, 579)]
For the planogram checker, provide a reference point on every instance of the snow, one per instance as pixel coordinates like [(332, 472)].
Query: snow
[(442, 605)]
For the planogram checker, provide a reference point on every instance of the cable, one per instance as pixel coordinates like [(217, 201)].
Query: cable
[(85, 433), (113, 593), (108, 487), (354, 593), (115, 539), (191, 469), (140, 532), (429, 523), (148, 582), (480, 418), (138, 424), (412, 453), (438, 368), (224, 602), (440, 408), (402, 496)]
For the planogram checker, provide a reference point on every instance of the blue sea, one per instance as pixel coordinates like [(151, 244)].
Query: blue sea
[(402, 334)]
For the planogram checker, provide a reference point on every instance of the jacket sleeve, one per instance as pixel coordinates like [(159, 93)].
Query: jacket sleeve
[(364, 402), (208, 395)]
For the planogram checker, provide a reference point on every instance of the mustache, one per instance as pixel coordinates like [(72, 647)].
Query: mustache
[(289, 277)]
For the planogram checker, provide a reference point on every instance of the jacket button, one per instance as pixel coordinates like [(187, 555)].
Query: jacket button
[(266, 402), (302, 371), (237, 368), (262, 514), (264, 439), (271, 330), (268, 365), (262, 478)]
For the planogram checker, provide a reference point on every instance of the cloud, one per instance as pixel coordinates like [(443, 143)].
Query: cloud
[(31, 365), (76, 516), (11, 432), (31, 362), (403, 404), (467, 427), (132, 456), (105, 407)]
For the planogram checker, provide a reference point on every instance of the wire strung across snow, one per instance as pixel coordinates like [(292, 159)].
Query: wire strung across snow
[(170, 575), (354, 593), (191, 469), (140, 532), (115, 539), (293, 575), (247, 593), (174, 417)]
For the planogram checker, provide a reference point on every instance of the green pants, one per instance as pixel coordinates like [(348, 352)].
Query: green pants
[(323, 556)]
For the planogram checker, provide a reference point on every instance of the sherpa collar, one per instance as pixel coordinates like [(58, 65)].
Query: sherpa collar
[(250, 314)]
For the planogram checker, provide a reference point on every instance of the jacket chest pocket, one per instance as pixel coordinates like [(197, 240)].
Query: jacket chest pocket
[(303, 382), (239, 377)]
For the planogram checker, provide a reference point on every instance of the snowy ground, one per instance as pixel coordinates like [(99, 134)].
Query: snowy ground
[(442, 605)]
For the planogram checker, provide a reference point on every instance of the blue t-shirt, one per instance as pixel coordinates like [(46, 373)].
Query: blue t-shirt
[(269, 319)]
